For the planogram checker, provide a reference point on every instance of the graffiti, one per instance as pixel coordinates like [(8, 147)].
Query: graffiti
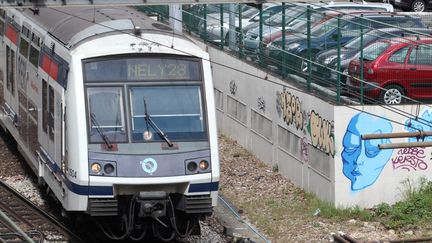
[(291, 109), (233, 87), (321, 132), (261, 103), (362, 160), (410, 159), (304, 150)]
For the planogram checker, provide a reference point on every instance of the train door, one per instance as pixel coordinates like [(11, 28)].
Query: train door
[(22, 79), (2, 54), (52, 110), (10, 94), (33, 92)]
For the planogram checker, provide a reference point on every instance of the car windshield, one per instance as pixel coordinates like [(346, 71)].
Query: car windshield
[(300, 23), (374, 50), (289, 16), (248, 12), (324, 27), (367, 38)]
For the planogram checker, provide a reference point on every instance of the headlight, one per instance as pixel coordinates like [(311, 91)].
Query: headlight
[(192, 166), (96, 168), (293, 46), (103, 168), (274, 45), (196, 166), (108, 168), (329, 60), (203, 165), (213, 26)]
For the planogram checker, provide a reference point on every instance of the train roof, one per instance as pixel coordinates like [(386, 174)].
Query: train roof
[(71, 25)]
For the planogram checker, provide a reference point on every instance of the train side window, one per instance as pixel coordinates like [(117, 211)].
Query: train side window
[(44, 106), (34, 56), (2, 27), (24, 47), (10, 70), (2, 21), (51, 113)]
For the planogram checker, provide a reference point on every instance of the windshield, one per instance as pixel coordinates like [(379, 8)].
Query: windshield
[(249, 12), (118, 87), (105, 111), (324, 27), (367, 38), (374, 50), (176, 110), (290, 15)]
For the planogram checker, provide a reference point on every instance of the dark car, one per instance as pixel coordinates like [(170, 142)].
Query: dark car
[(325, 36), (413, 5), (394, 68), (324, 66), (296, 21)]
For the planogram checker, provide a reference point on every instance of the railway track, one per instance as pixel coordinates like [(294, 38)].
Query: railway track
[(36, 225)]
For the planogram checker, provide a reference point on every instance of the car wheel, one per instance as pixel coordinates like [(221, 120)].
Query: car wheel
[(392, 95), (418, 6)]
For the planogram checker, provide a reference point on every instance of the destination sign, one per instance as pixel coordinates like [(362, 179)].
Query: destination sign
[(142, 69)]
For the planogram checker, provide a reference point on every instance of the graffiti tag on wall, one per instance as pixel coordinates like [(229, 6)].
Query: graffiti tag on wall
[(410, 159), (291, 108), (320, 130)]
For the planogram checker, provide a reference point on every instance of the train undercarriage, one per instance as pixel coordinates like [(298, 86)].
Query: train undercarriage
[(163, 215)]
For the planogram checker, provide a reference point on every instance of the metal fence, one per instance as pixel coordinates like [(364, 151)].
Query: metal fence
[(361, 52)]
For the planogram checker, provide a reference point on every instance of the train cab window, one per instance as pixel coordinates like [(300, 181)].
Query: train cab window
[(176, 110), (106, 114)]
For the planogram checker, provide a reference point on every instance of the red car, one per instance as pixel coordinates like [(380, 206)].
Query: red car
[(393, 69)]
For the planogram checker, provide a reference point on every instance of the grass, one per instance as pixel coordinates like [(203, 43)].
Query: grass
[(414, 209)]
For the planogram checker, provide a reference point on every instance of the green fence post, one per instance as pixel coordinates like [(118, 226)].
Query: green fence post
[(338, 87), (283, 41), (260, 37), (205, 22), (221, 27), (309, 53), (240, 39), (361, 60)]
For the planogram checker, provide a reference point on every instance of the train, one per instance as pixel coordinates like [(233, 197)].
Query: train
[(115, 114)]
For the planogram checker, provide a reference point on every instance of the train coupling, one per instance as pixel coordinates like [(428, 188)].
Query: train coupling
[(152, 204)]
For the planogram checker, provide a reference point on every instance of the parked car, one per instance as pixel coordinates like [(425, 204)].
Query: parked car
[(325, 36), (249, 15), (413, 5), (324, 65), (393, 69), (296, 20)]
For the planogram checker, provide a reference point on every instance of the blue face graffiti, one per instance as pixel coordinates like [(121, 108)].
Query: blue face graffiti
[(362, 160)]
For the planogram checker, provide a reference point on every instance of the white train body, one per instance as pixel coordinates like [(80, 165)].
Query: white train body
[(88, 94)]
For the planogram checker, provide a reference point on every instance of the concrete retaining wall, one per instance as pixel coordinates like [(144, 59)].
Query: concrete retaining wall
[(314, 143)]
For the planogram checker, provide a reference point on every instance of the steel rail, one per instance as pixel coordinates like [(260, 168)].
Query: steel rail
[(40, 211)]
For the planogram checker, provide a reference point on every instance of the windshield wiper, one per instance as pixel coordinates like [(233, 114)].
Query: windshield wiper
[(150, 121), (100, 131)]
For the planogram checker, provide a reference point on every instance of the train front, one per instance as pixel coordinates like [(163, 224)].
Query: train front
[(152, 157)]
